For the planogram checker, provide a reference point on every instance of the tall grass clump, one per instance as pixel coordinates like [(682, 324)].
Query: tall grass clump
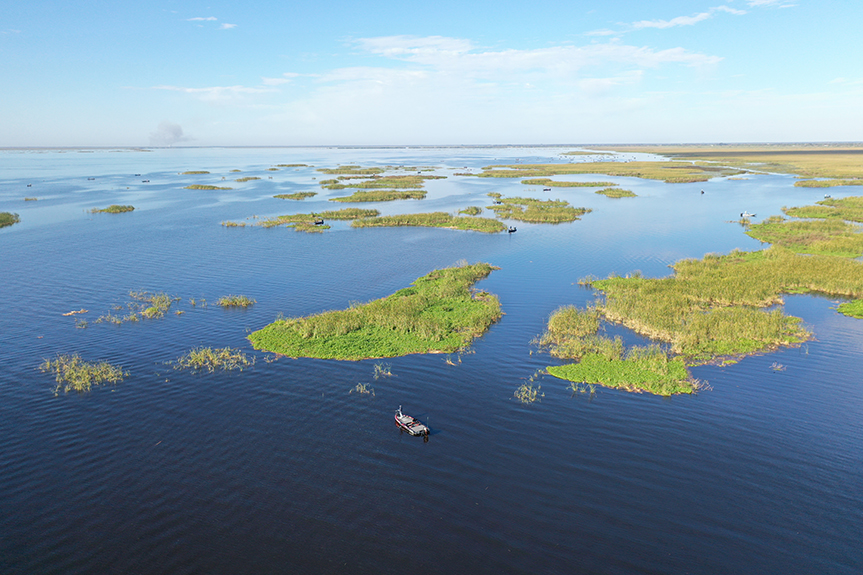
[(75, 374), (113, 209), (382, 196), (439, 313), (616, 193), (7, 219), (536, 211), (827, 236), (159, 303), (205, 187), (471, 211), (546, 182), (210, 359), (296, 196), (247, 179), (235, 301), (852, 308), (433, 220)]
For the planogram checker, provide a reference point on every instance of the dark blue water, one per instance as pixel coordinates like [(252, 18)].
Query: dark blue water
[(279, 468)]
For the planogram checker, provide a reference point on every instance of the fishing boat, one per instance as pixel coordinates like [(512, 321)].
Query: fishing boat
[(410, 424)]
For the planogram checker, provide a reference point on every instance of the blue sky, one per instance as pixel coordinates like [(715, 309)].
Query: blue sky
[(122, 73)]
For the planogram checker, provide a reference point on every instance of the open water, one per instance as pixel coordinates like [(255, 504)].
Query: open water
[(281, 469)]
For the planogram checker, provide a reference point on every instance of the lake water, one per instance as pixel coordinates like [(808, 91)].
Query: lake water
[(280, 468)]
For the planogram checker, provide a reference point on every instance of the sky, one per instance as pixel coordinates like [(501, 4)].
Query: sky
[(449, 72)]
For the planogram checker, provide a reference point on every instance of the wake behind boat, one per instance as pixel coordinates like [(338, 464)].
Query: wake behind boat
[(410, 424)]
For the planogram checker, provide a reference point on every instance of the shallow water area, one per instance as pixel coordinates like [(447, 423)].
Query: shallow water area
[(284, 466)]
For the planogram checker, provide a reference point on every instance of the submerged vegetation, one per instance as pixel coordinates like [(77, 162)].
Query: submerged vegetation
[(296, 196), (210, 359), (440, 313), (7, 219), (75, 374), (536, 211), (433, 220), (113, 209)]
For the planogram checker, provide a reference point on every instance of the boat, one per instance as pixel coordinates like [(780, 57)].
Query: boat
[(410, 424), (747, 215)]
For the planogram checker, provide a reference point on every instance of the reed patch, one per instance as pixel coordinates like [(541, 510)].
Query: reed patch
[(71, 373), (211, 359), (433, 220), (536, 211), (296, 196), (8, 218), (113, 209)]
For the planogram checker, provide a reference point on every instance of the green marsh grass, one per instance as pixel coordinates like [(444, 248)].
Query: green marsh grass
[(113, 209), (536, 211), (383, 370), (849, 209), (75, 374), (382, 196), (616, 193), (557, 184), (247, 179), (235, 301), (827, 183), (471, 211), (7, 219), (527, 393), (194, 173), (363, 389), (30, 199), (352, 170), (292, 166), (828, 236), (433, 220), (378, 182), (296, 196), (206, 187), (211, 359), (851, 308), (670, 172), (439, 313)]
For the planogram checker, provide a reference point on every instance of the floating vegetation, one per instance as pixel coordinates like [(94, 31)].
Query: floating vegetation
[(210, 359), (616, 193), (433, 220), (537, 211), (296, 196), (234, 224), (74, 374), (272, 169), (235, 301), (352, 169), (363, 389), (292, 166), (7, 219), (527, 393), (851, 308), (382, 196), (471, 211), (30, 199), (378, 182), (194, 172), (383, 370), (206, 187), (159, 303), (670, 172), (440, 313), (113, 209), (298, 221), (558, 184), (247, 179)]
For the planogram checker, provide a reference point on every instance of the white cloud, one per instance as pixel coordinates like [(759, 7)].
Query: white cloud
[(201, 19), (686, 20), (227, 26), (286, 77), (217, 94)]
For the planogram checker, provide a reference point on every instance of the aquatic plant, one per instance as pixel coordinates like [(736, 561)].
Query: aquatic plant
[(351, 169), (383, 370), (292, 166), (616, 193), (210, 359), (851, 308), (527, 393), (536, 211), (827, 183), (849, 209), (363, 389), (828, 236), (75, 374), (113, 209), (30, 199), (205, 187), (7, 219), (382, 196), (438, 314), (433, 220), (235, 301), (159, 303), (194, 172), (247, 179), (296, 196), (471, 211), (559, 184)]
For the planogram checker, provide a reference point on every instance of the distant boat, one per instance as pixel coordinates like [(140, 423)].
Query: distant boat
[(410, 424), (511, 230), (747, 215)]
